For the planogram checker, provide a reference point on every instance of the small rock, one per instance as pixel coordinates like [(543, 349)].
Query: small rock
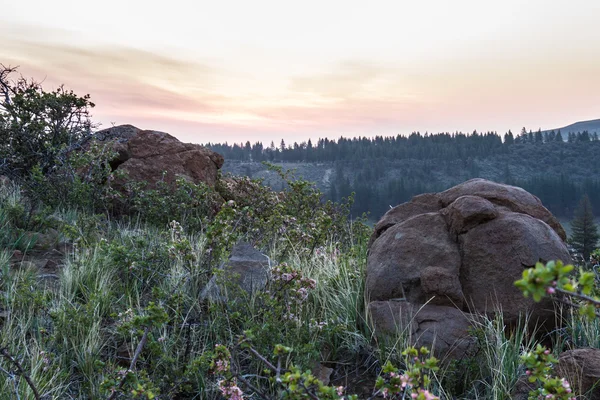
[(246, 268), (322, 373), (522, 389), (47, 240), (581, 367)]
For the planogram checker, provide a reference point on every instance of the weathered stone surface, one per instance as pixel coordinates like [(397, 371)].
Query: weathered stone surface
[(581, 367), (494, 257), (246, 268), (522, 389), (512, 198), (465, 248), (442, 287), (467, 212), (322, 373), (442, 329), (398, 256), (144, 155), (424, 203)]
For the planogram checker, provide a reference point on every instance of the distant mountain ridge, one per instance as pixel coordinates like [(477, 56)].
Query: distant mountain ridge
[(591, 126)]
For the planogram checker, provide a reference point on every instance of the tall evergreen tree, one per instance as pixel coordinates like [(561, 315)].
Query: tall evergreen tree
[(584, 237), (558, 137), (509, 139), (538, 136)]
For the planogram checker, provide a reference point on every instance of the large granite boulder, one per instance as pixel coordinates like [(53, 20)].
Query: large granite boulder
[(145, 155), (463, 249)]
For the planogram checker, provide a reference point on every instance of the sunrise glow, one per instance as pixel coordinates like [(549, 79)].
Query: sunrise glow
[(265, 70)]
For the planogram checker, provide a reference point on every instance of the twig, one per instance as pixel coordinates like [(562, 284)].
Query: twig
[(571, 304), (21, 372), (263, 359), (134, 360), (234, 364), (309, 393), (579, 296), (139, 349), (11, 376), (252, 387), (278, 373)]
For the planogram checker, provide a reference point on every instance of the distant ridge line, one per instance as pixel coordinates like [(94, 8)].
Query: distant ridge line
[(592, 125)]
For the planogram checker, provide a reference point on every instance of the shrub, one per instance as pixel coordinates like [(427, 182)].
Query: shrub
[(36, 126)]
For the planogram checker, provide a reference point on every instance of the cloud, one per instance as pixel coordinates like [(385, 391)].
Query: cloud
[(132, 84), (120, 80), (240, 98)]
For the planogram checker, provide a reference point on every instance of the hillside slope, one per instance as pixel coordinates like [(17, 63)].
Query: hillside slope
[(558, 173), (592, 126)]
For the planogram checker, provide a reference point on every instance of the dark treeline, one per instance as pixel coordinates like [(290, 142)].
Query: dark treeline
[(386, 171), (417, 146)]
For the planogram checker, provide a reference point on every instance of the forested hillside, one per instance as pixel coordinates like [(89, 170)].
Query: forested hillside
[(385, 171)]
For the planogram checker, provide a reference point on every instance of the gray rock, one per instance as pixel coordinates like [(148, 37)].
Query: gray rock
[(246, 269)]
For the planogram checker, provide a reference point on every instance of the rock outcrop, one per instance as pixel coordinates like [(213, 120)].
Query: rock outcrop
[(144, 155), (461, 250)]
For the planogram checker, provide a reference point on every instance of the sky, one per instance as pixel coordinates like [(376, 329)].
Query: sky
[(262, 70)]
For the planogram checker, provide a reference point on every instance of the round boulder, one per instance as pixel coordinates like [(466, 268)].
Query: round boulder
[(463, 249)]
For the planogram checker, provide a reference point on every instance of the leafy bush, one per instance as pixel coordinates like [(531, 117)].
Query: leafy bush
[(36, 126)]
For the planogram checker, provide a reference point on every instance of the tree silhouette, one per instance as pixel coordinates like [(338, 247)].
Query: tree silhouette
[(585, 232)]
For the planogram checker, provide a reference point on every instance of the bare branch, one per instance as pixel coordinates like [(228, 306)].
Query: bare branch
[(134, 360), (21, 372), (6, 89)]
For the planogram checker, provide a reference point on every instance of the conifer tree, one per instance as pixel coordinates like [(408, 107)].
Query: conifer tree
[(584, 237)]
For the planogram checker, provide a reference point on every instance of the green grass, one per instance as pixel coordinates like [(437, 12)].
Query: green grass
[(77, 337)]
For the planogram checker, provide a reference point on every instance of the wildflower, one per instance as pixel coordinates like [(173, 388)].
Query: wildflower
[(287, 277), (123, 372), (339, 390), (550, 290), (222, 365), (302, 294), (405, 379), (231, 391), (427, 395)]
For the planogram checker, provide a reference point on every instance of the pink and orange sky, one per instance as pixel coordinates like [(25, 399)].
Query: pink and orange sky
[(215, 71)]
